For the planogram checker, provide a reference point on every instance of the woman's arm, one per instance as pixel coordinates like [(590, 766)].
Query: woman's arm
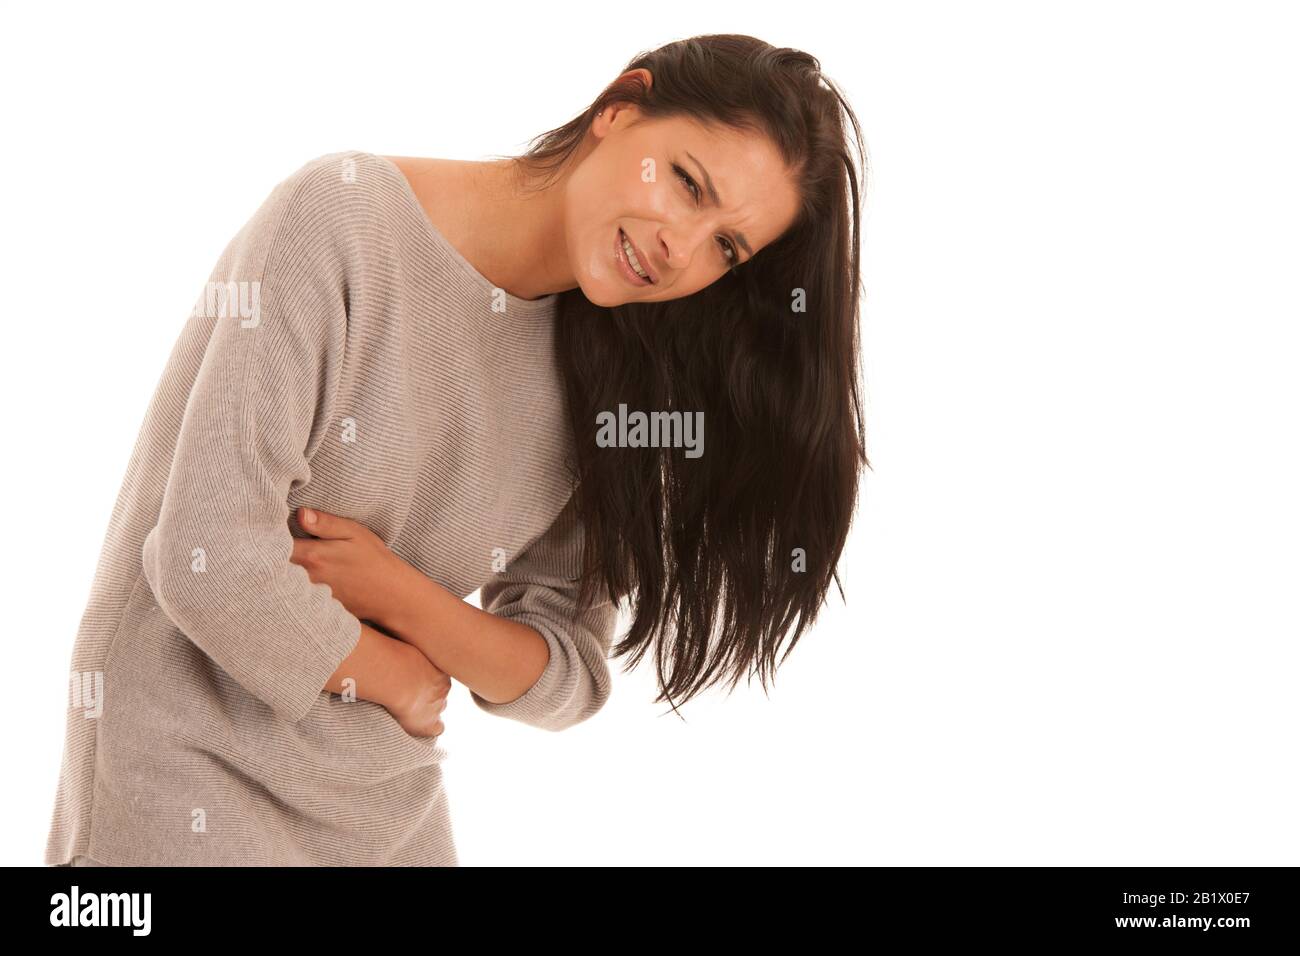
[(398, 676), (494, 657), (527, 655), (535, 596)]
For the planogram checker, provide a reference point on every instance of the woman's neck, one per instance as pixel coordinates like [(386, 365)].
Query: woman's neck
[(513, 235)]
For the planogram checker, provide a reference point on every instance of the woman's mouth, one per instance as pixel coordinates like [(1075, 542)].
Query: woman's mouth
[(626, 256)]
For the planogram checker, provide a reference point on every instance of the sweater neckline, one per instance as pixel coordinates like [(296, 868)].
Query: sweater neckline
[(515, 305)]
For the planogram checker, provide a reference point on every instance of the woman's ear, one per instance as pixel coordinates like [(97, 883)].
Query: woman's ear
[(604, 120)]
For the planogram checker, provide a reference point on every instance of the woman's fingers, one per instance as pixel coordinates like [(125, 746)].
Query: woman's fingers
[(325, 525)]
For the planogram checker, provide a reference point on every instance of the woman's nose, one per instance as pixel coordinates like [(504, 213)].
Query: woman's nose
[(678, 245)]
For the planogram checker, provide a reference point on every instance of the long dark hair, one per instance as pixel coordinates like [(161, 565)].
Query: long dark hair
[(707, 547)]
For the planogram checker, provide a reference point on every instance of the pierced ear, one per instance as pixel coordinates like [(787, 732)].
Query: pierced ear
[(613, 109), (605, 119)]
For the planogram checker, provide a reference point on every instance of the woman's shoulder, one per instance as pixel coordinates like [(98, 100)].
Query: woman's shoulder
[(323, 213), (418, 171), (425, 177), (438, 187), (340, 179), (335, 183)]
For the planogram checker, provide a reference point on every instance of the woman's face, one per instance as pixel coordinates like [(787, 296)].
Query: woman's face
[(650, 179)]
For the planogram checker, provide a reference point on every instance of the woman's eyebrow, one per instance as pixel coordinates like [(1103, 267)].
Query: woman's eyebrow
[(713, 196)]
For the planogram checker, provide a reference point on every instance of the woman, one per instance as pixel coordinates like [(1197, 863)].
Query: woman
[(410, 380)]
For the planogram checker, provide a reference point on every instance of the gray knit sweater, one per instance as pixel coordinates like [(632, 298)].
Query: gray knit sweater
[(343, 355)]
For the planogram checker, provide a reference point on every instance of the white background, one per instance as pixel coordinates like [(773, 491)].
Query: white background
[(1070, 634)]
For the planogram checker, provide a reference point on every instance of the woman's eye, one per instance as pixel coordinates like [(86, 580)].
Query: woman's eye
[(685, 177), (730, 250)]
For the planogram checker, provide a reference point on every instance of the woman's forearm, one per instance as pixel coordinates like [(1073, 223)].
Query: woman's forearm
[(496, 658), (381, 667)]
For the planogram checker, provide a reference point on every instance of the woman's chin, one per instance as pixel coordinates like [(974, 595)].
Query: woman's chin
[(599, 293)]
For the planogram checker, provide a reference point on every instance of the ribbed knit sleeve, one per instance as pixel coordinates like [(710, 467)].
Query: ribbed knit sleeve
[(218, 558), (540, 588)]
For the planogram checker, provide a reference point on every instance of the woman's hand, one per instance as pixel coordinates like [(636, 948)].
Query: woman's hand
[(419, 710), (362, 573), (370, 581)]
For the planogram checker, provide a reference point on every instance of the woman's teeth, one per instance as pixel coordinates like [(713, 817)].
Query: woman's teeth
[(631, 256)]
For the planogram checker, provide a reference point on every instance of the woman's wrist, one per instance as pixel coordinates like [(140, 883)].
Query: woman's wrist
[(409, 674), (382, 669)]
